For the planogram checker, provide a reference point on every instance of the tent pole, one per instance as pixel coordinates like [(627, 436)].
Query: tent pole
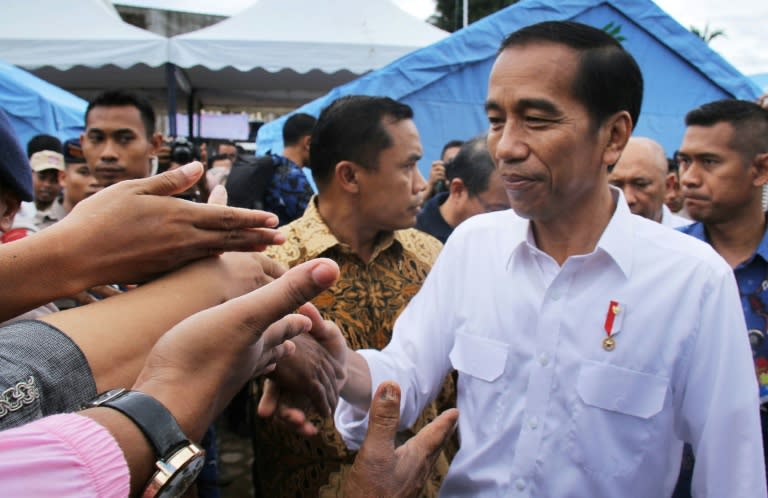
[(170, 81), (190, 114), (465, 14)]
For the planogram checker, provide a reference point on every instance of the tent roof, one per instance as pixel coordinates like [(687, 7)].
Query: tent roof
[(329, 35), (37, 33), (35, 106), (446, 82)]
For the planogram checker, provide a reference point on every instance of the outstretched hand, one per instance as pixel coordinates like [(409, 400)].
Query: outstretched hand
[(380, 469), (139, 230), (313, 377), (197, 367)]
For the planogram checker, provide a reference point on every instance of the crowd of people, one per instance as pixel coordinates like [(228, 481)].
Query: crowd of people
[(586, 310)]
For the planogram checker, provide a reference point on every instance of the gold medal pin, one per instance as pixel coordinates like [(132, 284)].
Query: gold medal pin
[(612, 325)]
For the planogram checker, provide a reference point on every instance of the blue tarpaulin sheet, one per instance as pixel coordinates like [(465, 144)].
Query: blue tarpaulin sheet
[(445, 83), (35, 106)]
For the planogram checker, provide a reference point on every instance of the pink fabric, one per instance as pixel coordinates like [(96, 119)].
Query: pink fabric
[(63, 456)]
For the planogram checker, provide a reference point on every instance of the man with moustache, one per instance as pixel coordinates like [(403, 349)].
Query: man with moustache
[(642, 175), (723, 164), (363, 156), (590, 343)]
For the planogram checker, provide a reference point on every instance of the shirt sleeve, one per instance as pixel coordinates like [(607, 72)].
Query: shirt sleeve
[(42, 372), (726, 437), (64, 456)]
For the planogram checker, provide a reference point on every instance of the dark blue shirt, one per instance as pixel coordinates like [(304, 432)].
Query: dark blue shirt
[(431, 221), (752, 279), (289, 191)]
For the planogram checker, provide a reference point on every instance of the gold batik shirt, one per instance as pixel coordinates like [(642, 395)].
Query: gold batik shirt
[(364, 303)]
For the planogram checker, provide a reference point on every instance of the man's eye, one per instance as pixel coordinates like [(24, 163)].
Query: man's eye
[(496, 121)]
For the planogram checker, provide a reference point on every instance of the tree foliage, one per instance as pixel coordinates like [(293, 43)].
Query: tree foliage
[(706, 34), (448, 14)]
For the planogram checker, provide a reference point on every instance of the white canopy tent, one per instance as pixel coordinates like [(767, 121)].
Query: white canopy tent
[(291, 51), (277, 53), (329, 35), (64, 34)]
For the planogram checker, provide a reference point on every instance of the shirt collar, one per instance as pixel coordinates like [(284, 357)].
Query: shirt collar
[(616, 240), (323, 239), (697, 230)]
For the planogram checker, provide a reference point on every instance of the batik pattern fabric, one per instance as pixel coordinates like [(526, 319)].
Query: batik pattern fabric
[(364, 303)]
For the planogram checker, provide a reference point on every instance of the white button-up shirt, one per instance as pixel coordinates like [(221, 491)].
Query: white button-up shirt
[(545, 409)]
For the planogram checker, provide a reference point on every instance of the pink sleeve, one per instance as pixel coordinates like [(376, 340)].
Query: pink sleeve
[(64, 456)]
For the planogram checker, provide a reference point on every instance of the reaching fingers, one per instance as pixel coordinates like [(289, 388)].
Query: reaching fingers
[(269, 266), (168, 183), (273, 404), (431, 438), (280, 297)]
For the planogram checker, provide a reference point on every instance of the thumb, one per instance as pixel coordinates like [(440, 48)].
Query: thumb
[(173, 181), (283, 295), (384, 416)]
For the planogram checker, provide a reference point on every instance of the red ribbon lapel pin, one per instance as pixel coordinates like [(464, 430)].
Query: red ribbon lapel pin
[(613, 319)]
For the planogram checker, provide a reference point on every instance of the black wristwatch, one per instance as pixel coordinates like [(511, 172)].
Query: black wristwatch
[(179, 461)]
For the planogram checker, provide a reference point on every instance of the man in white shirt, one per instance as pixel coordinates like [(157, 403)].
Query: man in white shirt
[(641, 173), (590, 343)]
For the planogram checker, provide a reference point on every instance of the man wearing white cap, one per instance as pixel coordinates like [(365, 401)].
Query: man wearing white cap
[(47, 166)]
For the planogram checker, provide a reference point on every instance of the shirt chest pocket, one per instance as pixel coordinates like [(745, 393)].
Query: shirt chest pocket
[(480, 362), (616, 417)]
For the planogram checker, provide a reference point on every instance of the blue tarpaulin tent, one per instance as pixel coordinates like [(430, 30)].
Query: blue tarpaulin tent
[(35, 106), (446, 82)]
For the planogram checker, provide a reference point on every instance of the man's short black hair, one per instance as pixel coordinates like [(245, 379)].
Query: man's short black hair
[(749, 121), (473, 164), (118, 98), (607, 80), (297, 127), (449, 145), (352, 129)]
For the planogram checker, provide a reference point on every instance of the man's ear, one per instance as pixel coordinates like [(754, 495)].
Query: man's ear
[(62, 178), (305, 141), (347, 174), (616, 131), (457, 187), (9, 206), (760, 166), (157, 142), (671, 182)]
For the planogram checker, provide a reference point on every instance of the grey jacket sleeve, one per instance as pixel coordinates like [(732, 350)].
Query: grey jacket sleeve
[(42, 372)]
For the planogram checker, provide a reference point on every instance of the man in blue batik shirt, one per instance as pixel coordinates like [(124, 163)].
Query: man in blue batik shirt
[(723, 164), (289, 190)]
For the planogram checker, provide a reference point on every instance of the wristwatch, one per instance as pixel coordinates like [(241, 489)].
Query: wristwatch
[(179, 461)]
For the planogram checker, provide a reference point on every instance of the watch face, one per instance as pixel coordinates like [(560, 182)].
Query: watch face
[(176, 475)]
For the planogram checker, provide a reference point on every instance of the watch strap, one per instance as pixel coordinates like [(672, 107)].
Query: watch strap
[(155, 421)]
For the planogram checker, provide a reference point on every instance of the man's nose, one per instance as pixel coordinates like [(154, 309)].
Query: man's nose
[(629, 194), (512, 146)]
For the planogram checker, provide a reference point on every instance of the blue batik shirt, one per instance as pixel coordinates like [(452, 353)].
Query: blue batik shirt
[(289, 190), (752, 279)]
